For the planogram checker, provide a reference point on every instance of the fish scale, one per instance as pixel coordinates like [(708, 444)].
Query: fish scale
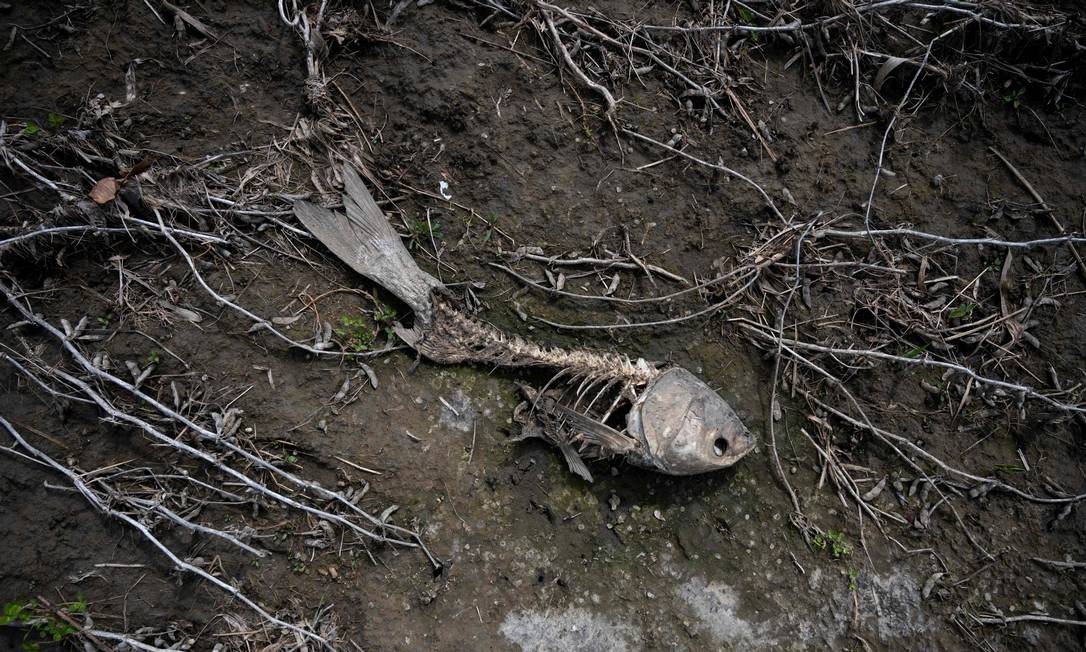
[(674, 423)]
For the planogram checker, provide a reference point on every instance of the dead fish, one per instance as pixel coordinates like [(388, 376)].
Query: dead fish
[(673, 422)]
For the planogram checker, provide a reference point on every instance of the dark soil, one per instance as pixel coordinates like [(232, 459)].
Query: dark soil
[(538, 559)]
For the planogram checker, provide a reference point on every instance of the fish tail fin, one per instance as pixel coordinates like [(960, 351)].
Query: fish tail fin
[(364, 240)]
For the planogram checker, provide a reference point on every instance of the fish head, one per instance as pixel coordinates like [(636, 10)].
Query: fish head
[(685, 427)]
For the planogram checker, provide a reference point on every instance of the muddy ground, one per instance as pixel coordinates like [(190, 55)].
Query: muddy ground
[(536, 558)]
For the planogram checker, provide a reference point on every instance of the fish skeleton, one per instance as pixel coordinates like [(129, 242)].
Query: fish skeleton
[(674, 423)]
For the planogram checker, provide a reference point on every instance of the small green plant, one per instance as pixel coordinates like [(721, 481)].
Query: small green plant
[(1013, 97), (588, 132), (852, 575), (491, 219), (355, 333), (54, 120), (385, 316), (15, 612), (31, 129), (964, 310), (915, 351), (77, 607), (39, 624), (154, 357), (834, 542), (421, 231)]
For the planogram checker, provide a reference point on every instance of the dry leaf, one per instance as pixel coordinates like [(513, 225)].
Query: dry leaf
[(181, 313), (137, 169), (105, 190), (891, 64)]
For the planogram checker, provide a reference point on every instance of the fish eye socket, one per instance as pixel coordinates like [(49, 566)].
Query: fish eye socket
[(720, 446)]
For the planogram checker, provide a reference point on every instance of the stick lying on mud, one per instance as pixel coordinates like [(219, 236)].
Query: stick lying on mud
[(1048, 211), (611, 299), (259, 322), (1027, 618), (95, 230), (1075, 565), (412, 539), (384, 532), (942, 239), (751, 276), (603, 263), (758, 330), (606, 94), (178, 563), (713, 166)]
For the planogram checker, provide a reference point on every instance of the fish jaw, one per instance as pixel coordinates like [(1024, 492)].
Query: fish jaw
[(685, 428)]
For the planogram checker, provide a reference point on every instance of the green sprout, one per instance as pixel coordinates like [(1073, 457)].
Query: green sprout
[(492, 219), (38, 623), (915, 351), (834, 542), (31, 129), (355, 334), (420, 231), (77, 607), (964, 310), (1014, 97), (15, 612), (385, 316)]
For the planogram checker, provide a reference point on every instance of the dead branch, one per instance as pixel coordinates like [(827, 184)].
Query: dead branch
[(985, 242), (575, 69), (412, 540), (1027, 618), (712, 166), (925, 360), (178, 563)]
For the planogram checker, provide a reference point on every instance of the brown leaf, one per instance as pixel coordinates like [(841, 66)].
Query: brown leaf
[(137, 169), (105, 190)]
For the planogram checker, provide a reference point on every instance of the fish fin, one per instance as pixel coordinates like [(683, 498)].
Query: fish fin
[(599, 434), (576, 464), (364, 240)]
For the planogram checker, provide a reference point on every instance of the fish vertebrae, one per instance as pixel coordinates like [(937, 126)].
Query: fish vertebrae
[(453, 337)]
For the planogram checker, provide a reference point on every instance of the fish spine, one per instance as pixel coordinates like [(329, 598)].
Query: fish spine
[(453, 337)]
